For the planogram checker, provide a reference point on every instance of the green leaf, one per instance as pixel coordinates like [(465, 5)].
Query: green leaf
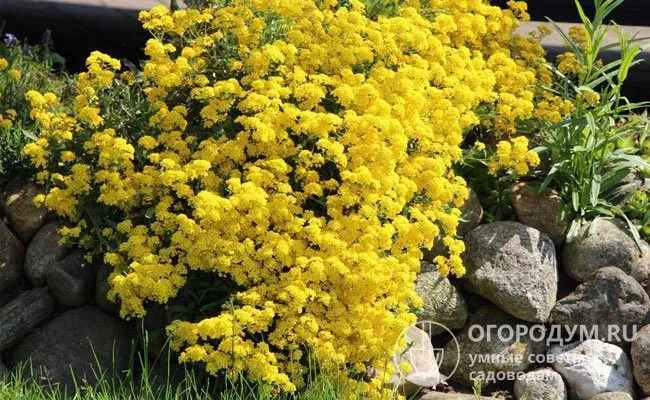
[(595, 190), (613, 177), (30, 135), (585, 21), (605, 9), (567, 40), (626, 63), (591, 122), (634, 231), (575, 200), (574, 229), (646, 218)]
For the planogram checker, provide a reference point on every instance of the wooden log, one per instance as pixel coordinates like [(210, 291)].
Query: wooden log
[(24, 313)]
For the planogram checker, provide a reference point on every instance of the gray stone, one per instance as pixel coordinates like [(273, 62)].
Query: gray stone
[(613, 396), (605, 243), (86, 340), (12, 254), (72, 280), (420, 357), (42, 253), (593, 367), (102, 287), (17, 204), (453, 396), (640, 353), (443, 301), (471, 216), (501, 353), (543, 384), (539, 210), (609, 298), (513, 266), (22, 314)]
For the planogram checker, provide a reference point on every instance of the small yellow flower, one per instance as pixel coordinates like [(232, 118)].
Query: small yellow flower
[(590, 98), (128, 77), (568, 63), (68, 156)]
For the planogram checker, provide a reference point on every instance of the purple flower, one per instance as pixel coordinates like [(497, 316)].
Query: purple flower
[(10, 39), (47, 38)]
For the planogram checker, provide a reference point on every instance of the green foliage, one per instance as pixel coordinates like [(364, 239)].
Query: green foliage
[(637, 208), (146, 386), (492, 190), (28, 68), (147, 379), (586, 168)]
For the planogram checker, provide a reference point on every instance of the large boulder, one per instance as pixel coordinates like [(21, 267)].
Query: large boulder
[(611, 300), (471, 216), (17, 204), (640, 353), (513, 266), (593, 367), (3, 371), (102, 286), (606, 243), (613, 396), (539, 210), (542, 384), (443, 301), (42, 253), (23, 314), (72, 280), (500, 350), (420, 357), (86, 340), (453, 396), (12, 254)]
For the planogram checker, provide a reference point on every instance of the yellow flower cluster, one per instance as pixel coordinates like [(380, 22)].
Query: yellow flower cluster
[(300, 149), (7, 116), (7, 120), (589, 98), (514, 155), (12, 73), (568, 63)]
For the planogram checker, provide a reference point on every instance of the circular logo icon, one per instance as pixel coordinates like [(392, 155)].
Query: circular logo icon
[(423, 358)]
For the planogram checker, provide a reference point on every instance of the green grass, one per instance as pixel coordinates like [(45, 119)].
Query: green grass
[(19, 386), (145, 380)]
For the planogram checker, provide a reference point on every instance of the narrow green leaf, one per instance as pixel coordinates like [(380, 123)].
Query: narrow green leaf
[(575, 200), (595, 190)]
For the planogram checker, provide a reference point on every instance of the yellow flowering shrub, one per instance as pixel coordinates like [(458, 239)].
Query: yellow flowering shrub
[(302, 151), (22, 68)]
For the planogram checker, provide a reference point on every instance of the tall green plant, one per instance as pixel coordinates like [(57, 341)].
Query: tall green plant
[(586, 169)]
